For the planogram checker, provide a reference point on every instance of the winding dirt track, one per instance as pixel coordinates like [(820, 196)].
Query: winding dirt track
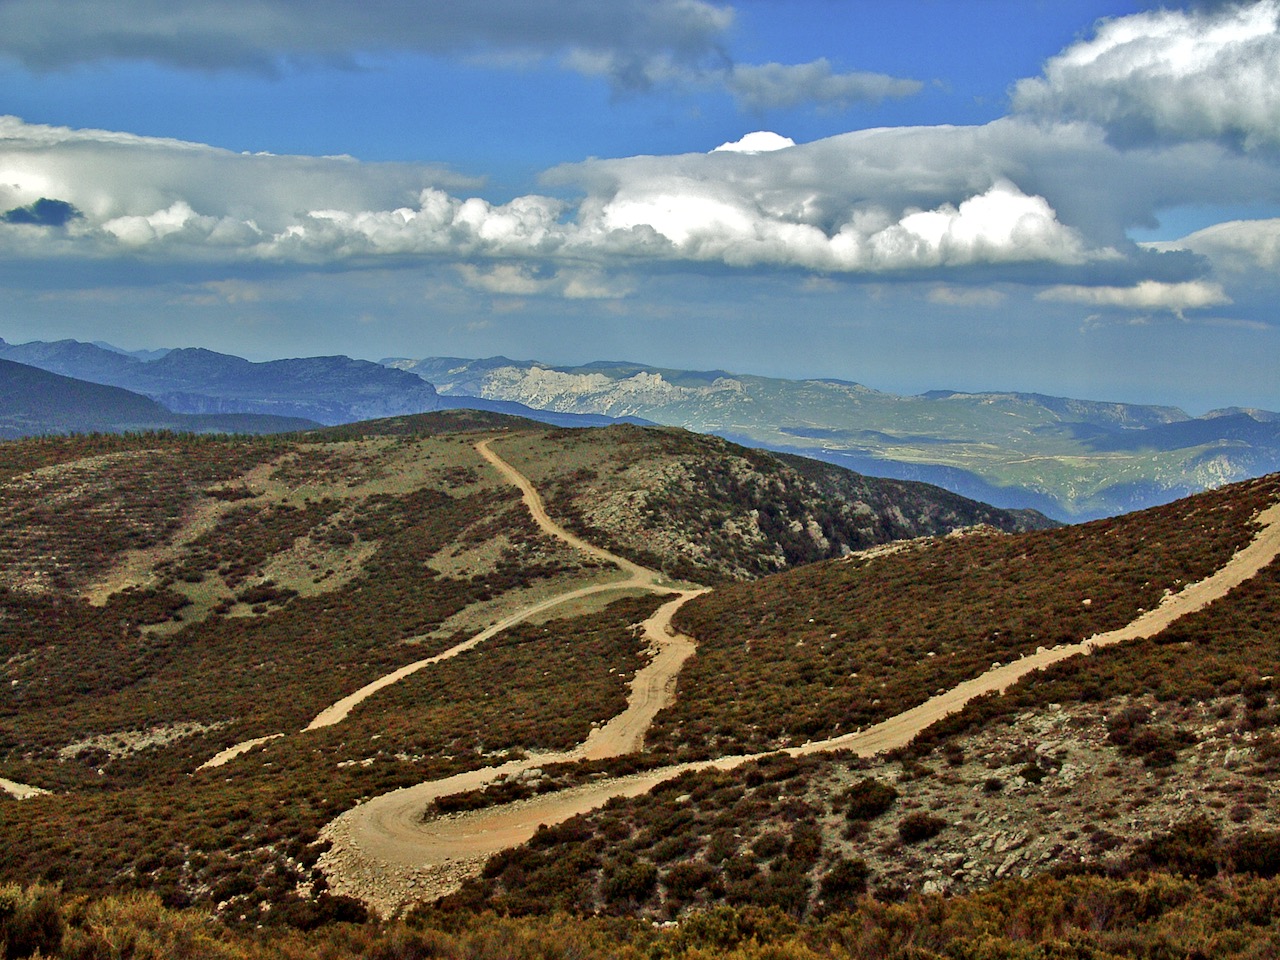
[(385, 853), (641, 578), (670, 651)]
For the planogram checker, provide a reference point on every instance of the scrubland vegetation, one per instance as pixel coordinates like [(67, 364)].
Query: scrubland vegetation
[(706, 510), (1157, 915), (832, 647), (330, 560)]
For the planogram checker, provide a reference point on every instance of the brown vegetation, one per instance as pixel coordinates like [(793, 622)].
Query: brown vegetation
[(785, 857), (832, 647)]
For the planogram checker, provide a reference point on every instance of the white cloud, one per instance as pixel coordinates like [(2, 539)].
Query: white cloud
[(170, 199), (1238, 245), (1170, 75), (778, 86), (715, 219), (965, 296), (1041, 202), (525, 280), (505, 279), (1147, 295), (759, 141)]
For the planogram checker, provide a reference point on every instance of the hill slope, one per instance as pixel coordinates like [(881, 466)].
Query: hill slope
[(33, 401), (1073, 459), (323, 389), (165, 599)]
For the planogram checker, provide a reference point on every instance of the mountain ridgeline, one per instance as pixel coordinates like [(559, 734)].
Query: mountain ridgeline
[(322, 390), (1072, 459), (34, 402)]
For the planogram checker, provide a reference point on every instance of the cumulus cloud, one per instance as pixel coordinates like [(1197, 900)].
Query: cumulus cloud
[(759, 141), (169, 198), (1238, 245), (634, 44), (1040, 203), (716, 222), (1170, 75), (772, 86), (1147, 295)]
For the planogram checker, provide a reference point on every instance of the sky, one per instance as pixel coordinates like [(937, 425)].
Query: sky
[(1073, 197)]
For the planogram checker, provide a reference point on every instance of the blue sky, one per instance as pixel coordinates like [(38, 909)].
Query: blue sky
[(1076, 198)]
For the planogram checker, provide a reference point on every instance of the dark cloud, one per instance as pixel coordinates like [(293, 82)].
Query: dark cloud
[(43, 213), (237, 34), (780, 86), (634, 44)]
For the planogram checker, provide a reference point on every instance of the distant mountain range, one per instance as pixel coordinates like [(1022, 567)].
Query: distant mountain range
[(1072, 459), (322, 390), (34, 401)]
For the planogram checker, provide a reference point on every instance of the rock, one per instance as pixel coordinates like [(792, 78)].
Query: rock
[(1008, 863)]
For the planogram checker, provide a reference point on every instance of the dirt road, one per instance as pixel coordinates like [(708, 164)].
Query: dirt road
[(20, 790), (387, 855), (538, 510), (651, 684)]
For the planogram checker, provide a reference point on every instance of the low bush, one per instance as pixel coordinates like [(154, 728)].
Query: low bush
[(919, 826)]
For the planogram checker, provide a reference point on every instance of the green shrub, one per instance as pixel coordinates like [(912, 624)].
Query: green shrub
[(1190, 849), (868, 799), (30, 922), (1256, 852), (685, 880), (919, 826), (632, 882), (843, 884)]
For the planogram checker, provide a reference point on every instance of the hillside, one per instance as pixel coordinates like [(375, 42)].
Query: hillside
[(1072, 459), (1154, 754), (33, 401), (167, 597), (232, 664), (704, 509)]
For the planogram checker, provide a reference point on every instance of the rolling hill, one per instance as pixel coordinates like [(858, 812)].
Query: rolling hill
[(33, 402), (322, 389), (234, 664), (1072, 459)]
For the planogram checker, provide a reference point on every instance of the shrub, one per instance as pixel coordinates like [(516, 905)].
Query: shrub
[(843, 884), (30, 922), (1255, 851), (631, 882), (919, 826), (868, 799), (685, 880), (1190, 848)]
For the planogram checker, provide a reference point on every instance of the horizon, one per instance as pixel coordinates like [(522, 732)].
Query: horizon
[(537, 361), (1074, 200)]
